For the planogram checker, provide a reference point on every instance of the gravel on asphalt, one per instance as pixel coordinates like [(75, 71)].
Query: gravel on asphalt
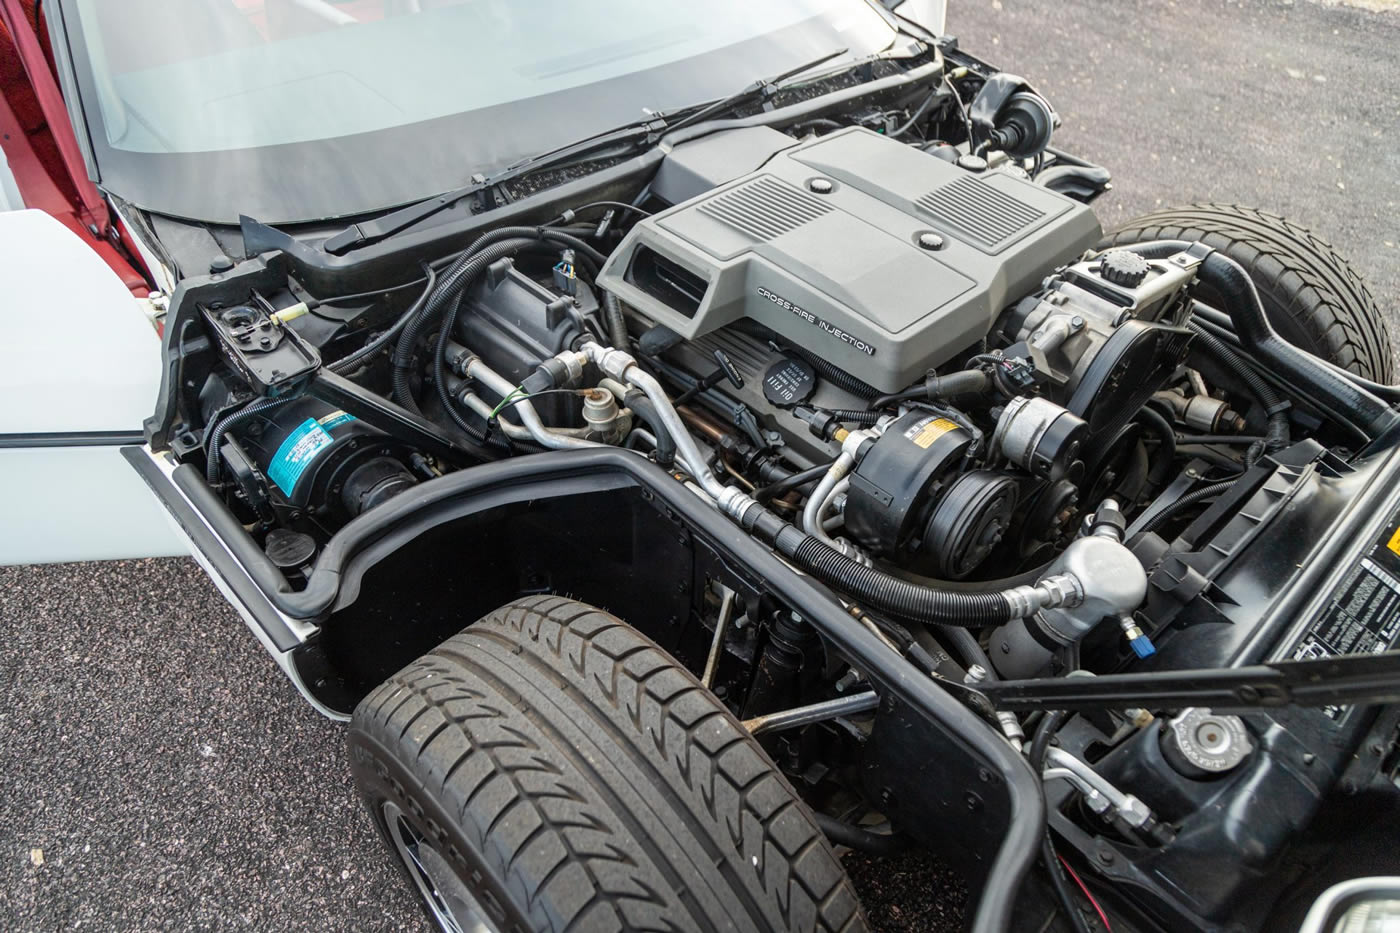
[(157, 770)]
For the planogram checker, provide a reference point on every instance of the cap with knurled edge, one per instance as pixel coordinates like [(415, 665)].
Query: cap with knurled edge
[(1123, 267), (789, 381)]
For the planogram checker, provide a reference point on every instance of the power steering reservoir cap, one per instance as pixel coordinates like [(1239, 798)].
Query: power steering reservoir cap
[(1123, 267)]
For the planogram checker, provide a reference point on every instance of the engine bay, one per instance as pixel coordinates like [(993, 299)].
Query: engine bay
[(888, 343)]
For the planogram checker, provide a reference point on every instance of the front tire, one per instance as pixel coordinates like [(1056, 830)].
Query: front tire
[(561, 772)]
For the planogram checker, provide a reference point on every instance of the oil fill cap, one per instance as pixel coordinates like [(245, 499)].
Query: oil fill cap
[(789, 381)]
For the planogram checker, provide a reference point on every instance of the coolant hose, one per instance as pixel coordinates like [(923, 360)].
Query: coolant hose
[(644, 409), (1240, 298), (1167, 453), (615, 320), (970, 649), (1275, 407)]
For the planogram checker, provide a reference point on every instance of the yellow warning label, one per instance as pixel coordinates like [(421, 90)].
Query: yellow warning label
[(925, 433), (1394, 542)]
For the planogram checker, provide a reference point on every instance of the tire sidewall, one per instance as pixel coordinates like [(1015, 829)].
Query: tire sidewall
[(380, 776)]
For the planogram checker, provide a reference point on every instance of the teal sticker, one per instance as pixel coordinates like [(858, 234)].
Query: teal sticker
[(296, 454)]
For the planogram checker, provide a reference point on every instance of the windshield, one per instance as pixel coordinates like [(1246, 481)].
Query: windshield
[(296, 110)]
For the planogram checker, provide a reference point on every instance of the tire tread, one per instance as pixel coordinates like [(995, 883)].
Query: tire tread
[(552, 823)]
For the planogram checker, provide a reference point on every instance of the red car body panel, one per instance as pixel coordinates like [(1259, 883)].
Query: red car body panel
[(41, 148)]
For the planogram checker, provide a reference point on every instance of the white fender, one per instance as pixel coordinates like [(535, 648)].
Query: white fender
[(79, 371)]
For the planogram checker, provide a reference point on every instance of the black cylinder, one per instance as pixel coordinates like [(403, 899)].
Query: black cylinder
[(775, 681)]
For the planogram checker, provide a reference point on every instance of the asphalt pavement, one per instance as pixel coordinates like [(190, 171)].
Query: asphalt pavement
[(156, 770)]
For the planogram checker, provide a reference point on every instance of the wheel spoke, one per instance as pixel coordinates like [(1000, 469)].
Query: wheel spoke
[(452, 903)]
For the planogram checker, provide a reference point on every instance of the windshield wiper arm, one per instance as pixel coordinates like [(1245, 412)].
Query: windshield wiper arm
[(1335, 681), (759, 89), (630, 136), (379, 228)]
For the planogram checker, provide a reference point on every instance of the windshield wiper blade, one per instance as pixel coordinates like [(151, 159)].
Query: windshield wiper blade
[(759, 89), (379, 228)]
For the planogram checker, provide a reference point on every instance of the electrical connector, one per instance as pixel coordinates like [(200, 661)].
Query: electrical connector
[(565, 275)]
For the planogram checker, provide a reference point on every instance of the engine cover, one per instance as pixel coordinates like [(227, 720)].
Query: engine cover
[(874, 254)]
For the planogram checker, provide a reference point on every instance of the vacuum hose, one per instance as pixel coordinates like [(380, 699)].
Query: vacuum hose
[(614, 319)]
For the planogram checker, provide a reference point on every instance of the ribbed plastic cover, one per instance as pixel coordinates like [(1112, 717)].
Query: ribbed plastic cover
[(974, 209), (765, 208)]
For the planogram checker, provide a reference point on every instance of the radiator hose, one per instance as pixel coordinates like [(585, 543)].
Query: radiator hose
[(1334, 393), (1275, 407), (644, 409)]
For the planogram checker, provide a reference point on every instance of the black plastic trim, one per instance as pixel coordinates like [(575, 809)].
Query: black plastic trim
[(71, 439), (212, 548)]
